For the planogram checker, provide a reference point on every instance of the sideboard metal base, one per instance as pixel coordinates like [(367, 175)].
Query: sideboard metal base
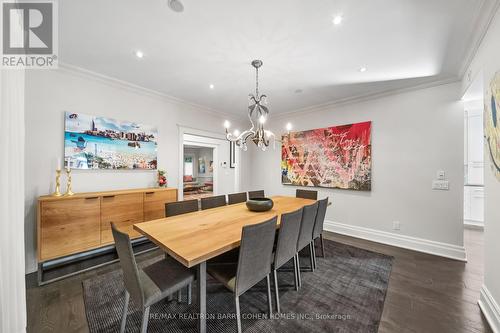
[(61, 268)]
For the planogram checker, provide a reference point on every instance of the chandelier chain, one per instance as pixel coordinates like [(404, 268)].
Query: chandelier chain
[(257, 82)]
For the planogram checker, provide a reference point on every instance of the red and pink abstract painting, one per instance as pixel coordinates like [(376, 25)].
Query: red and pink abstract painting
[(334, 157)]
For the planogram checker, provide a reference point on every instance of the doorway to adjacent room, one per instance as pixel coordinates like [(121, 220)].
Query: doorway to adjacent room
[(216, 173), (474, 155), (198, 178)]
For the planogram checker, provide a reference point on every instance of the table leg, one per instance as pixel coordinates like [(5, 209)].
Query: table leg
[(202, 297)]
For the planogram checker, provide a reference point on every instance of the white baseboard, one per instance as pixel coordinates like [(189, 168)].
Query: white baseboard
[(412, 243), (490, 309), (471, 224)]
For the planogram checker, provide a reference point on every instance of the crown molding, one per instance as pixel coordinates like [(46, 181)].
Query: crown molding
[(366, 97), (483, 19), (121, 84), (117, 83)]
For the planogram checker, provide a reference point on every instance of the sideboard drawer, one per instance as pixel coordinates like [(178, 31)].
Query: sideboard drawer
[(123, 210), (69, 226), (154, 203)]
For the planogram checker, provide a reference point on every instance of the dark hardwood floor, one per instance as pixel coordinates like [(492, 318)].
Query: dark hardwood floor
[(426, 293)]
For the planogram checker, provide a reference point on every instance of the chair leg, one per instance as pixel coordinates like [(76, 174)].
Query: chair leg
[(314, 254), (269, 302), (322, 245), (238, 315), (145, 319), (179, 296), (276, 293), (189, 293), (298, 270), (124, 315), (311, 256), (295, 274)]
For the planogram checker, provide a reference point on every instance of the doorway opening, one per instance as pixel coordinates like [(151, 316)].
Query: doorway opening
[(198, 178), (216, 174), (474, 155)]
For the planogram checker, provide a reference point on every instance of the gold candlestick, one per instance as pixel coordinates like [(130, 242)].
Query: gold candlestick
[(68, 189), (57, 192)]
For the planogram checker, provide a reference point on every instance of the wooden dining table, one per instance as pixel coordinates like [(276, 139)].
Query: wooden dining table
[(194, 238)]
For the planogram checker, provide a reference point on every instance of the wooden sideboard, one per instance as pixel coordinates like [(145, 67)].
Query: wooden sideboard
[(72, 224)]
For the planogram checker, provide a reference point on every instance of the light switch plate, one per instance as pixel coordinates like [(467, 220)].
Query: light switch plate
[(442, 185), (441, 175)]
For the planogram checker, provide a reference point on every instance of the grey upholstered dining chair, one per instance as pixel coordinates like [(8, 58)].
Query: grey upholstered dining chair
[(306, 194), (236, 198), (181, 207), (305, 235), (212, 202), (256, 194), (151, 284), (254, 263), (318, 228), (286, 248)]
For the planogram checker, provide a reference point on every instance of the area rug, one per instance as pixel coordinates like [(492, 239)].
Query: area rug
[(345, 293)]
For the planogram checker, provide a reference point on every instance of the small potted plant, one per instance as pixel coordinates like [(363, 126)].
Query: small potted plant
[(162, 178)]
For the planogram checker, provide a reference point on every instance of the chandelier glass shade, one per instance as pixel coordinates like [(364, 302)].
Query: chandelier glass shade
[(258, 112)]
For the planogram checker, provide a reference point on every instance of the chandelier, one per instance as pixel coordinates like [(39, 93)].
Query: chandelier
[(257, 114)]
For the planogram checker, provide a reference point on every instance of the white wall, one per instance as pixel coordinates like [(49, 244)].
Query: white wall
[(414, 134), (50, 93), (486, 63)]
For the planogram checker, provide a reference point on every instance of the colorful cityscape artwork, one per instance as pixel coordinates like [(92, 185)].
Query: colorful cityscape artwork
[(102, 143), (333, 157)]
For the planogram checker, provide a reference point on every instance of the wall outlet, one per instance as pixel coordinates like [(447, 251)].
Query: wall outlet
[(396, 225)]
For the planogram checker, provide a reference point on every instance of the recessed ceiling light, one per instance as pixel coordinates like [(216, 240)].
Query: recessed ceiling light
[(176, 5), (363, 69), (337, 19), (139, 54), (211, 86)]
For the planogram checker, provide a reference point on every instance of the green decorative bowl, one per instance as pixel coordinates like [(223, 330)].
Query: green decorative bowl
[(260, 204)]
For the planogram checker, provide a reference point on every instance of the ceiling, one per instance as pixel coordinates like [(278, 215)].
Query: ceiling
[(307, 59)]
